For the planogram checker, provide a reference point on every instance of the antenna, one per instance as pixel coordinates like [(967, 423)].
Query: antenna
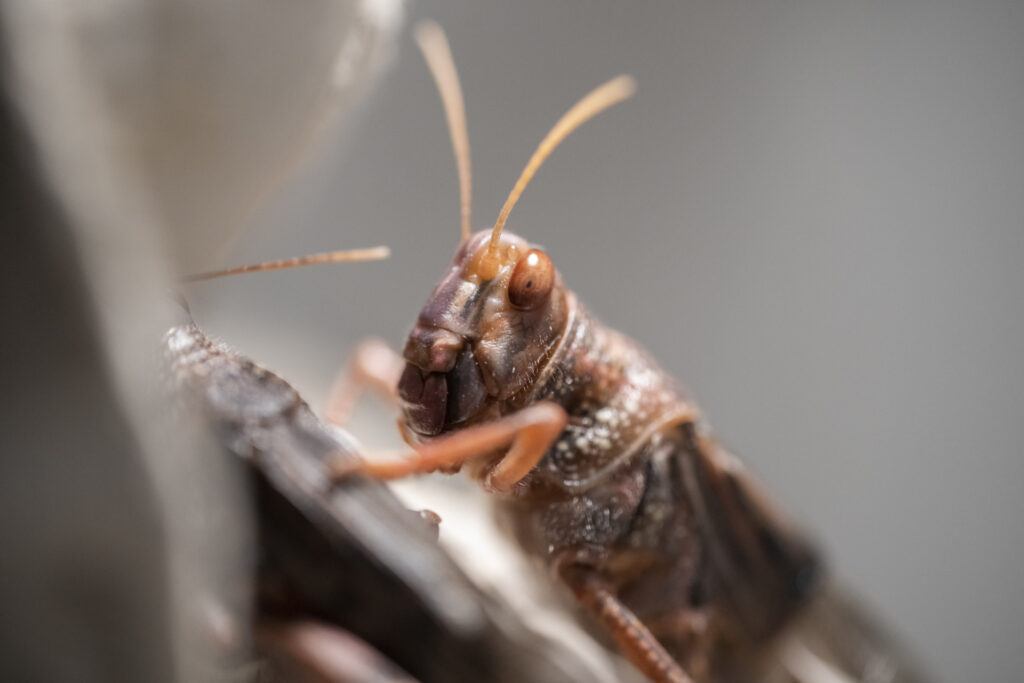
[(371, 254), (599, 99), (438, 55)]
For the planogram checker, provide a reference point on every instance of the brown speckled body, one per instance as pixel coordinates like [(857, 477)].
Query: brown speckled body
[(613, 493), (603, 468), (633, 489)]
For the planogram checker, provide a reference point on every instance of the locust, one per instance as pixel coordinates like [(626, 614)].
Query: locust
[(600, 464)]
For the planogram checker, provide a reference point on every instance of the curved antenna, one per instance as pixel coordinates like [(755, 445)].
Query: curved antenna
[(438, 55), (599, 99), (371, 254)]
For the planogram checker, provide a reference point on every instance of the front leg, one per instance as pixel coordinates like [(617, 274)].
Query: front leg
[(528, 434), (634, 640), (373, 366)]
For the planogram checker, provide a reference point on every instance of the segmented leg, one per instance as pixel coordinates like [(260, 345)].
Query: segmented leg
[(373, 366), (528, 434), (633, 638)]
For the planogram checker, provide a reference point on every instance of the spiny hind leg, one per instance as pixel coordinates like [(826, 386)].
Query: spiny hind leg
[(633, 638), (527, 434), (373, 366)]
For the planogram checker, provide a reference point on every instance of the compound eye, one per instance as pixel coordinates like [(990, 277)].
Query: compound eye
[(531, 280)]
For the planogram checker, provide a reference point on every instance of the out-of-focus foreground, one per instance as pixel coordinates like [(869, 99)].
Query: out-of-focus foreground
[(133, 134)]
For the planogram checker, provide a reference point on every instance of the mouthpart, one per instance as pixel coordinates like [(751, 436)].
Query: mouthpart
[(435, 402)]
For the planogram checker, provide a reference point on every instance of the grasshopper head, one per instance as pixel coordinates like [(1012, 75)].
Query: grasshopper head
[(484, 334), (492, 321)]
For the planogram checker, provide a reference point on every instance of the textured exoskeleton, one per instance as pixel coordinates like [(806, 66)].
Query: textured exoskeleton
[(602, 466)]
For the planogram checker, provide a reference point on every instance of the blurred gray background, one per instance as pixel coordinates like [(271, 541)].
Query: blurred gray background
[(812, 213)]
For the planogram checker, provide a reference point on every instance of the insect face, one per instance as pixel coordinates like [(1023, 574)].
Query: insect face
[(494, 319), (483, 335)]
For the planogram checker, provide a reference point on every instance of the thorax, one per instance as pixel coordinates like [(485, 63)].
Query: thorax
[(618, 399)]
